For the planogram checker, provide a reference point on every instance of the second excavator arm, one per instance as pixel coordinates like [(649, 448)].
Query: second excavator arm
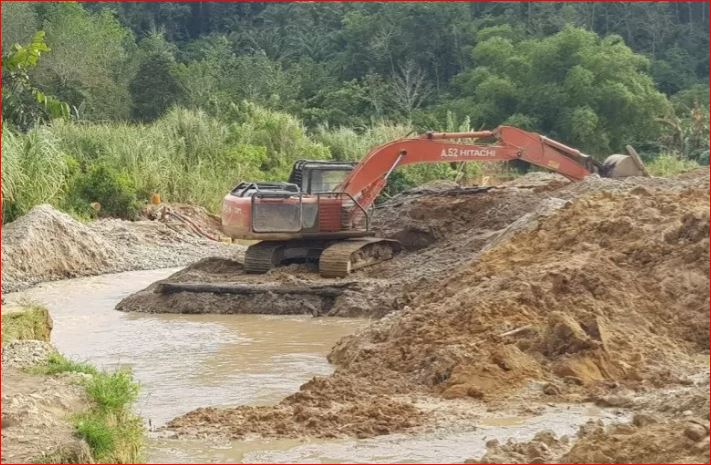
[(504, 143)]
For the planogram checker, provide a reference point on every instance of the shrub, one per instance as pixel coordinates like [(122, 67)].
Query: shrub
[(97, 434), (114, 434), (668, 164), (58, 363), (112, 391), (112, 189)]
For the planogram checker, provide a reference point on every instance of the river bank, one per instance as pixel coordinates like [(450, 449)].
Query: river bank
[(59, 411)]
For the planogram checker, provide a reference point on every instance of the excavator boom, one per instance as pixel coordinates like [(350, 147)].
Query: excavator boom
[(504, 143)]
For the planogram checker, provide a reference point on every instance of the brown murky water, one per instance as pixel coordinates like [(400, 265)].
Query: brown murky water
[(189, 361), (186, 361)]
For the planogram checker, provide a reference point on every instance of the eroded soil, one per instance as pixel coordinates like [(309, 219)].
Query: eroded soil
[(37, 410)]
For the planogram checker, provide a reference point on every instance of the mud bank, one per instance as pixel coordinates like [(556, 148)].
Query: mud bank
[(36, 418), (596, 291), (668, 426), (47, 245), (220, 286), (45, 399)]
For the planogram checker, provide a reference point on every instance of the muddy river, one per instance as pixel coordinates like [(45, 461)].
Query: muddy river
[(188, 361)]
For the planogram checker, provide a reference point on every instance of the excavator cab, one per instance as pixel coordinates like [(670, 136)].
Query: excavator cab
[(304, 220), (318, 176)]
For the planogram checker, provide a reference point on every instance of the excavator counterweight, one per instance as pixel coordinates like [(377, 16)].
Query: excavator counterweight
[(321, 214)]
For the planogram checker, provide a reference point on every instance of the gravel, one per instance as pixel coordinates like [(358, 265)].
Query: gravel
[(26, 353), (48, 245)]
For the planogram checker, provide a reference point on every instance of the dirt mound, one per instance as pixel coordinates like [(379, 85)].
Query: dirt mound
[(672, 441), (330, 414), (545, 447), (611, 287), (47, 245), (441, 227)]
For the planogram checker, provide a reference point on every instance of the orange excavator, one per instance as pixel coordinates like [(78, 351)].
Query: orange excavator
[(322, 212)]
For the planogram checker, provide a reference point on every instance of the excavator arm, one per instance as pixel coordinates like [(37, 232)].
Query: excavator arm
[(504, 143)]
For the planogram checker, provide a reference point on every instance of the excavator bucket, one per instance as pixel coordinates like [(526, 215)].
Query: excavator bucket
[(621, 166)]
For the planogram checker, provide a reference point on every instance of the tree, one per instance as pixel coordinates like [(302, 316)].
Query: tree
[(23, 103), (588, 91), (19, 23), (409, 88), (154, 88), (88, 67)]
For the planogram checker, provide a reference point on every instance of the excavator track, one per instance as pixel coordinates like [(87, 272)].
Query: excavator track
[(343, 257), (263, 256)]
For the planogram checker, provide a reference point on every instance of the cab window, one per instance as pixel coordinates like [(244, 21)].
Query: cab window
[(325, 180)]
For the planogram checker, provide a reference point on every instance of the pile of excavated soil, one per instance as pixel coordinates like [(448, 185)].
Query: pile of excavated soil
[(46, 245), (566, 300), (612, 287)]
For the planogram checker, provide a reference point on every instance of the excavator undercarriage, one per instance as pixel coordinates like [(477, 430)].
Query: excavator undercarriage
[(336, 259)]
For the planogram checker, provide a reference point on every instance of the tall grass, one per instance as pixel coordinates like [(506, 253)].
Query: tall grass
[(34, 169), (186, 156), (57, 363), (347, 144)]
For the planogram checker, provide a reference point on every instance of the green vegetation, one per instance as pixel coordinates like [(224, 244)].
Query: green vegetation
[(186, 156), (669, 165), (24, 101), (112, 392), (112, 431), (591, 92), (32, 322), (58, 363), (110, 102), (114, 434)]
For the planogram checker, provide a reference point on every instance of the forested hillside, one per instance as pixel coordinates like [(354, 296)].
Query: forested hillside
[(113, 101)]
